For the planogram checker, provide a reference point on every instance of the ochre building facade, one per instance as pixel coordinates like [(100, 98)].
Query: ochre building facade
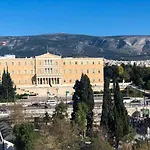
[(52, 72)]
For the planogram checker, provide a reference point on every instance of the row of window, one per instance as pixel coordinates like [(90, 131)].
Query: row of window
[(82, 62), (19, 63), (50, 71), (22, 81), (48, 62), (19, 72), (84, 71), (72, 81)]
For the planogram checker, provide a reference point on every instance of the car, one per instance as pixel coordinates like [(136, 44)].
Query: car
[(36, 104), (51, 102), (70, 103)]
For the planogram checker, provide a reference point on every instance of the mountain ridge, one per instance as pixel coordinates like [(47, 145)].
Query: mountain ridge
[(128, 47)]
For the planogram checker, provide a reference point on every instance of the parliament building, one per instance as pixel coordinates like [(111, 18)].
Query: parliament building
[(51, 72)]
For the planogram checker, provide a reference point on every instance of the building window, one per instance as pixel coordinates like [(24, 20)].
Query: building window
[(56, 63), (31, 71), (25, 81), (81, 62), (56, 71), (99, 80), (25, 63), (45, 62), (18, 71), (64, 81), (87, 71), (70, 62), (87, 62), (93, 80), (48, 62), (64, 71), (64, 63), (98, 62), (76, 62), (70, 71), (99, 71), (25, 72), (12, 63), (70, 80), (19, 63), (40, 62), (12, 71), (93, 62), (31, 63), (45, 71), (0, 72), (93, 71), (19, 81), (51, 71), (48, 70), (82, 71), (6, 63)]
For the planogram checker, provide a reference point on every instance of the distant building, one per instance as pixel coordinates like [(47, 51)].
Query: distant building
[(50, 70)]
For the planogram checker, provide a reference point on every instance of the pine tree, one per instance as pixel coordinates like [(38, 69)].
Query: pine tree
[(107, 110)]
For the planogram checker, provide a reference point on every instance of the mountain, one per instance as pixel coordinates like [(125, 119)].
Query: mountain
[(112, 47)]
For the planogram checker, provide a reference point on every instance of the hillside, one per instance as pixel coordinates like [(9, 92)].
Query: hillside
[(113, 47)]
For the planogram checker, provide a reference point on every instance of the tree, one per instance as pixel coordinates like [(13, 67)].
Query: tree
[(76, 98), (25, 136), (120, 70), (80, 118), (60, 111), (7, 83), (17, 116), (107, 110), (46, 118), (84, 93), (121, 119), (148, 85), (87, 96)]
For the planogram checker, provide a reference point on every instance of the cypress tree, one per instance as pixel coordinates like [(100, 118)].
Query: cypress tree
[(76, 98), (7, 83), (121, 119), (107, 110), (87, 96), (84, 94), (4, 84)]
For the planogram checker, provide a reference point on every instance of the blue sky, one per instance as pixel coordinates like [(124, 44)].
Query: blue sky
[(92, 17)]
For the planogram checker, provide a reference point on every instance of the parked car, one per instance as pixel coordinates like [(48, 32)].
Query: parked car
[(36, 104), (70, 103), (51, 102)]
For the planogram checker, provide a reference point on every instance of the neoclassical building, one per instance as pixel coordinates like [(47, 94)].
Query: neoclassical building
[(52, 71)]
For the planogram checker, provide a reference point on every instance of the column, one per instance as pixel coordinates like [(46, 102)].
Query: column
[(41, 80), (57, 80)]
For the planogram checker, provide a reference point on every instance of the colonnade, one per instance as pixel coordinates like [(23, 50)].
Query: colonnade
[(49, 81)]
